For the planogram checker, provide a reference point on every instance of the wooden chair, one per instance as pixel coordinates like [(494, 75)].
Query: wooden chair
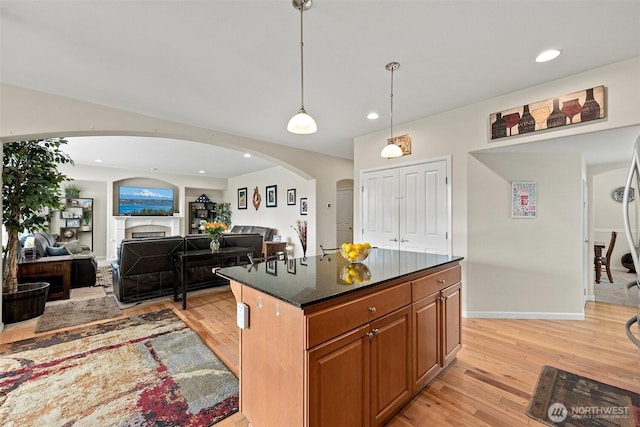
[(604, 262)]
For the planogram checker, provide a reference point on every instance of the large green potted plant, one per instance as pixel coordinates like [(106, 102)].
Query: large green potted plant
[(30, 185)]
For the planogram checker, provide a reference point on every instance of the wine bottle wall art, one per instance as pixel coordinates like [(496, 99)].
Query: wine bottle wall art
[(553, 113)]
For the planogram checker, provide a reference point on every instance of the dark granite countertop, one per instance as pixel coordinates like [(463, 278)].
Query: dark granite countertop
[(303, 282)]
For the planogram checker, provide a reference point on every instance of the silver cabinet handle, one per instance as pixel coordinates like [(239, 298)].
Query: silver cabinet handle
[(370, 335), (395, 239), (372, 309), (404, 240), (442, 281), (376, 331)]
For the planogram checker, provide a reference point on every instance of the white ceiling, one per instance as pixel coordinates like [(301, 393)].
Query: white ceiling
[(234, 66)]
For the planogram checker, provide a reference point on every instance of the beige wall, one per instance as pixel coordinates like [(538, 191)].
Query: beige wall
[(465, 130), (282, 217), (36, 114)]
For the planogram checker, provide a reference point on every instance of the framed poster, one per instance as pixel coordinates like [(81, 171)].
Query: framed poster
[(242, 198), (272, 196), (291, 196), (524, 199), (303, 206)]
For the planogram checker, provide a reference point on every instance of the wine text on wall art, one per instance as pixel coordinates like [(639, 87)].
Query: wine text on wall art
[(553, 113)]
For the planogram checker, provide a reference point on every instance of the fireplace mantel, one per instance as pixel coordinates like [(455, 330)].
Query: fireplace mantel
[(122, 223)]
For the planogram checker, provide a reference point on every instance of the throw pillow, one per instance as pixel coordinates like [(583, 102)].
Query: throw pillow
[(56, 251), (72, 246)]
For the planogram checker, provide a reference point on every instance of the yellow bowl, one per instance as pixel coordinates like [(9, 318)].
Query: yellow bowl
[(355, 252), (355, 273)]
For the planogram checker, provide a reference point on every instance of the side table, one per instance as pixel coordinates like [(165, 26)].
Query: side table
[(273, 249), (53, 269)]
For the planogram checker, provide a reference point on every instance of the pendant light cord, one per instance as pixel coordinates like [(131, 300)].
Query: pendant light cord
[(302, 2), (392, 68)]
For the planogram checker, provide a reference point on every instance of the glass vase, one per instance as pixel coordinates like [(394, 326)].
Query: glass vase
[(214, 245)]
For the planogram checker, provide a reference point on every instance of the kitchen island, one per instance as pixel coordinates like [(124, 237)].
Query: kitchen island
[(327, 343)]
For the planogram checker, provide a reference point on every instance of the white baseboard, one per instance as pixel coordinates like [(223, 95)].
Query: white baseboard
[(522, 315)]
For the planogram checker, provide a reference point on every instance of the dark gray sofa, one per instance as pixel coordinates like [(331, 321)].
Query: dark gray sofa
[(83, 267), (145, 268), (266, 232)]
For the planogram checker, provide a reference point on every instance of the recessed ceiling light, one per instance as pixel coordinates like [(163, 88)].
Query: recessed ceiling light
[(247, 155), (373, 115), (548, 55), (200, 171), (98, 160)]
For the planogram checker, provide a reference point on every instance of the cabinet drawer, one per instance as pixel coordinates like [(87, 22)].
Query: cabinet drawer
[(331, 322), (434, 282)]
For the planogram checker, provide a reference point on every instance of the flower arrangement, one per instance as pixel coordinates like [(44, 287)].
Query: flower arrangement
[(301, 230), (214, 229)]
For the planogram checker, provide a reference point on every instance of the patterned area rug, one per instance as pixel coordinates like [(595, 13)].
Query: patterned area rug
[(144, 370), (563, 398), (77, 313)]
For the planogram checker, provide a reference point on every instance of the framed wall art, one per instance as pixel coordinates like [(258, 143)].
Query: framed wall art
[(402, 141), (73, 223), (524, 199), (303, 205), (272, 196), (553, 113), (242, 198), (291, 196)]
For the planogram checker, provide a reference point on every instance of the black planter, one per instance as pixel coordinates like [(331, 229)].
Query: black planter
[(25, 304)]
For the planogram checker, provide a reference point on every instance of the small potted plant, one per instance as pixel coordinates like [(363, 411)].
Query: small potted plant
[(30, 186), (71, 191)]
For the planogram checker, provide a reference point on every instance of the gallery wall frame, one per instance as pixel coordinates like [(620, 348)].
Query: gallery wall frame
[(242, 198), (303, 206), (291, 196), (550, 114), (524, 199), (272, 196)]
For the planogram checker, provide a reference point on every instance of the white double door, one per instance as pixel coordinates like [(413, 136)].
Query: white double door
[(407, 208)]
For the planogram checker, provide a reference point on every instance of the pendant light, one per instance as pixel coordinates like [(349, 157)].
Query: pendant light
[(302, 123), (391, 150)]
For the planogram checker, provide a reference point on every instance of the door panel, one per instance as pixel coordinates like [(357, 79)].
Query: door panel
[(406, 208), (344, 216), (423, 208), (380, 208)]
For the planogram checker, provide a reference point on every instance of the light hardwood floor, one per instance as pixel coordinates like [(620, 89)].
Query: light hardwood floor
[(493, 377)]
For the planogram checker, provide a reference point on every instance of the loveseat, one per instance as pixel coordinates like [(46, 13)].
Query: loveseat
[(83, 267), (146, 268)]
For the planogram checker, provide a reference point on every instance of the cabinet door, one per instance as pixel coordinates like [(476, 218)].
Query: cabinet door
[(426, 340), (339, 385), (451, 309), (391, 383)]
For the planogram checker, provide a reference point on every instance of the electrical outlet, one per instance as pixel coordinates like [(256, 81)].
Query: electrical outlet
[(242, 312)]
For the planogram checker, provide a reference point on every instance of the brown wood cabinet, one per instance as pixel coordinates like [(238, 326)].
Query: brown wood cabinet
[(352, 360), (436, 322)]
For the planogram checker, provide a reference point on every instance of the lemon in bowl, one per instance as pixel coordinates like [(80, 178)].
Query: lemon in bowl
[(355, 252), (355, 273)]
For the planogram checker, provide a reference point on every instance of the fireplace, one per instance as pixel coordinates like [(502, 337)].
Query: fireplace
[(125, 226), (143, 234)]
